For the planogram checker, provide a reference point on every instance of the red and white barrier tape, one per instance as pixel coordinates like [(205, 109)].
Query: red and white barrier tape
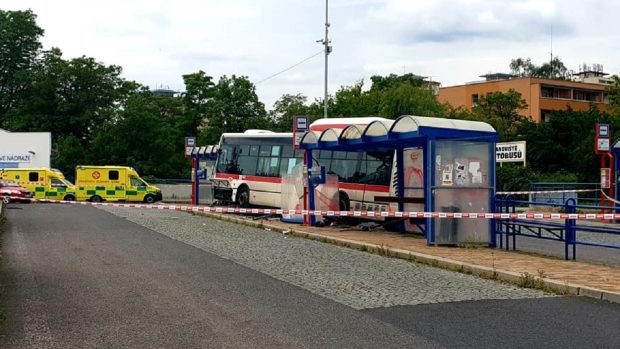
[(405, 214), (546, 191)]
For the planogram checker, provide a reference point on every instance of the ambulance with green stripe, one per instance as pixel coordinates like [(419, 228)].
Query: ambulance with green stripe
[(45, 183), (113, 183)]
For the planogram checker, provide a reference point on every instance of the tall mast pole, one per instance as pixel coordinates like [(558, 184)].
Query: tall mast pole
[(328, 50)]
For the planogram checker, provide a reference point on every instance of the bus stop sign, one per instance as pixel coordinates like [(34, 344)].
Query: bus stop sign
[(300, 126)]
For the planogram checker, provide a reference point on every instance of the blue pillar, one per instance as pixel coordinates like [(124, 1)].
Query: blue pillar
[(311, 206), (428, 151)]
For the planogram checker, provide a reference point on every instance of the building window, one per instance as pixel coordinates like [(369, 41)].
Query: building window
[(474, 100)]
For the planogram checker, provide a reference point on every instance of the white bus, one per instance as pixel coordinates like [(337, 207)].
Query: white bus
[(250, 165)]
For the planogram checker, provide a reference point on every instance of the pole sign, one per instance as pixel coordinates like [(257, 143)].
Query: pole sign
[(190, 143), (510, 152), (605, 178), (601, 138), (300, 127)]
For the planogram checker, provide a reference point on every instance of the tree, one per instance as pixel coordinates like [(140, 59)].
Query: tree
[(284, 109), (406, 99), (235, 107), (382, 83), (19, 48), (555, 69), (501, 110), (199, 91), (75, 97), (613, 93)]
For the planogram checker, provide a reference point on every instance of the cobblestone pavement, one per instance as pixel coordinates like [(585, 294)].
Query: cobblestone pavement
[(354, 278)]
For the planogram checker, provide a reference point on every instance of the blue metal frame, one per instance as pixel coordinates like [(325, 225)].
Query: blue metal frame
[(532, 228), (195, 164), (398, 141)]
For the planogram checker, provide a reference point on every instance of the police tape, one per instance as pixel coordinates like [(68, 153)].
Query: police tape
[(328, 213), (545, 191)]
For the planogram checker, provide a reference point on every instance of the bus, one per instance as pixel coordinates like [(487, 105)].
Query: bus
[(250, 165)]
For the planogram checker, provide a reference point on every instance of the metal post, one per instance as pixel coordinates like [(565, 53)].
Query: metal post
[(311, 205), (327, 50)]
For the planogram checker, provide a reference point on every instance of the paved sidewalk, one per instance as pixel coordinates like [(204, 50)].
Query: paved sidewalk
[(574, 277)]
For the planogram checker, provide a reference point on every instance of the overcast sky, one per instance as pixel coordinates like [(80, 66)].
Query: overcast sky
[(451, 41)]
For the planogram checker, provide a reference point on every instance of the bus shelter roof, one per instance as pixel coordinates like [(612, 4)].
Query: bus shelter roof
[(405, 131)]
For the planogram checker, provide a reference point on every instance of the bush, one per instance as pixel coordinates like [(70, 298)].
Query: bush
[(512, 177)]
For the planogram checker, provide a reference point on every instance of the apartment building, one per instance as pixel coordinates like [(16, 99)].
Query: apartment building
[(541, 95)]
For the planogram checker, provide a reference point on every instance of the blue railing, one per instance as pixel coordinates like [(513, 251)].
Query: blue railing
[(571, 231), (591, 198)]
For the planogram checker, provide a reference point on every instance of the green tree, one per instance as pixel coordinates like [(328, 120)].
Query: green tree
[(554, 69), (146, 135), (501, 110), (199, 91), (613, 93), (19, 49), (235, 107), (284, 109), (406, 99), (75, 97)]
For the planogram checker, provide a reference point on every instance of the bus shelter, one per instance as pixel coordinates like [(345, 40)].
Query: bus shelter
[(441, 165)]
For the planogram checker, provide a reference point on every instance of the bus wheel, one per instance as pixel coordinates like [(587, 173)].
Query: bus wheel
[(95, 198), (243, 197), (149, 199), (69, 198)]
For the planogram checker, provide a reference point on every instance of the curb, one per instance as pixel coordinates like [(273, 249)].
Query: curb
[(556, 286)]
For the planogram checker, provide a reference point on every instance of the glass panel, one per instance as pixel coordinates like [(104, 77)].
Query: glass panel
[(265, 150), (275, 150), (33, 177), (287, 151), (325, 154), (254, 150), (113, 175), (247, 165), (244, 149), (57, 183), (462, 184), (346, 170), (268, 166)]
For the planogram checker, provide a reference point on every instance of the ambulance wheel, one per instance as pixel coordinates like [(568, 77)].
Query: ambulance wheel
[(149, 199), (243, 197), (69, 198), (96, 198)]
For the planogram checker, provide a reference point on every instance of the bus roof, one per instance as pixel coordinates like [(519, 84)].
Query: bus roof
[(324, 124), (258, 135)]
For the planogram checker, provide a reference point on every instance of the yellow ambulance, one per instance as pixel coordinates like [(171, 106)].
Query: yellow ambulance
[(113, 183), (45, 183)]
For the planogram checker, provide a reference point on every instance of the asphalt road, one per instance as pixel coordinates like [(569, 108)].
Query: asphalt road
[(80, 277)]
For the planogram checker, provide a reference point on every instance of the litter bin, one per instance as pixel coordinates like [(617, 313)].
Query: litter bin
[(448, 227)]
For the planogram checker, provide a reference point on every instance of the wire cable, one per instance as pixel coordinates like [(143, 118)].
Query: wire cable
[(291, 67)]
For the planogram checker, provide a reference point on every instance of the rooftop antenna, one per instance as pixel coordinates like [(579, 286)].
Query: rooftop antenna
[(328, 49), (551, 52)]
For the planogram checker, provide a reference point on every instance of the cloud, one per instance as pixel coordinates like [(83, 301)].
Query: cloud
[(444, 21)]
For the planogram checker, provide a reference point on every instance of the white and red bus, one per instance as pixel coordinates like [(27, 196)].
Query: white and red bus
[(250, 165)]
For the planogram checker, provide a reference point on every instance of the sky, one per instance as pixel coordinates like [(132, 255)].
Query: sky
[(450, 41)]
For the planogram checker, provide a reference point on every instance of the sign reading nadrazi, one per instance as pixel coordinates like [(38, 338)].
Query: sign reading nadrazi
[(15, 158), (510, 152)]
